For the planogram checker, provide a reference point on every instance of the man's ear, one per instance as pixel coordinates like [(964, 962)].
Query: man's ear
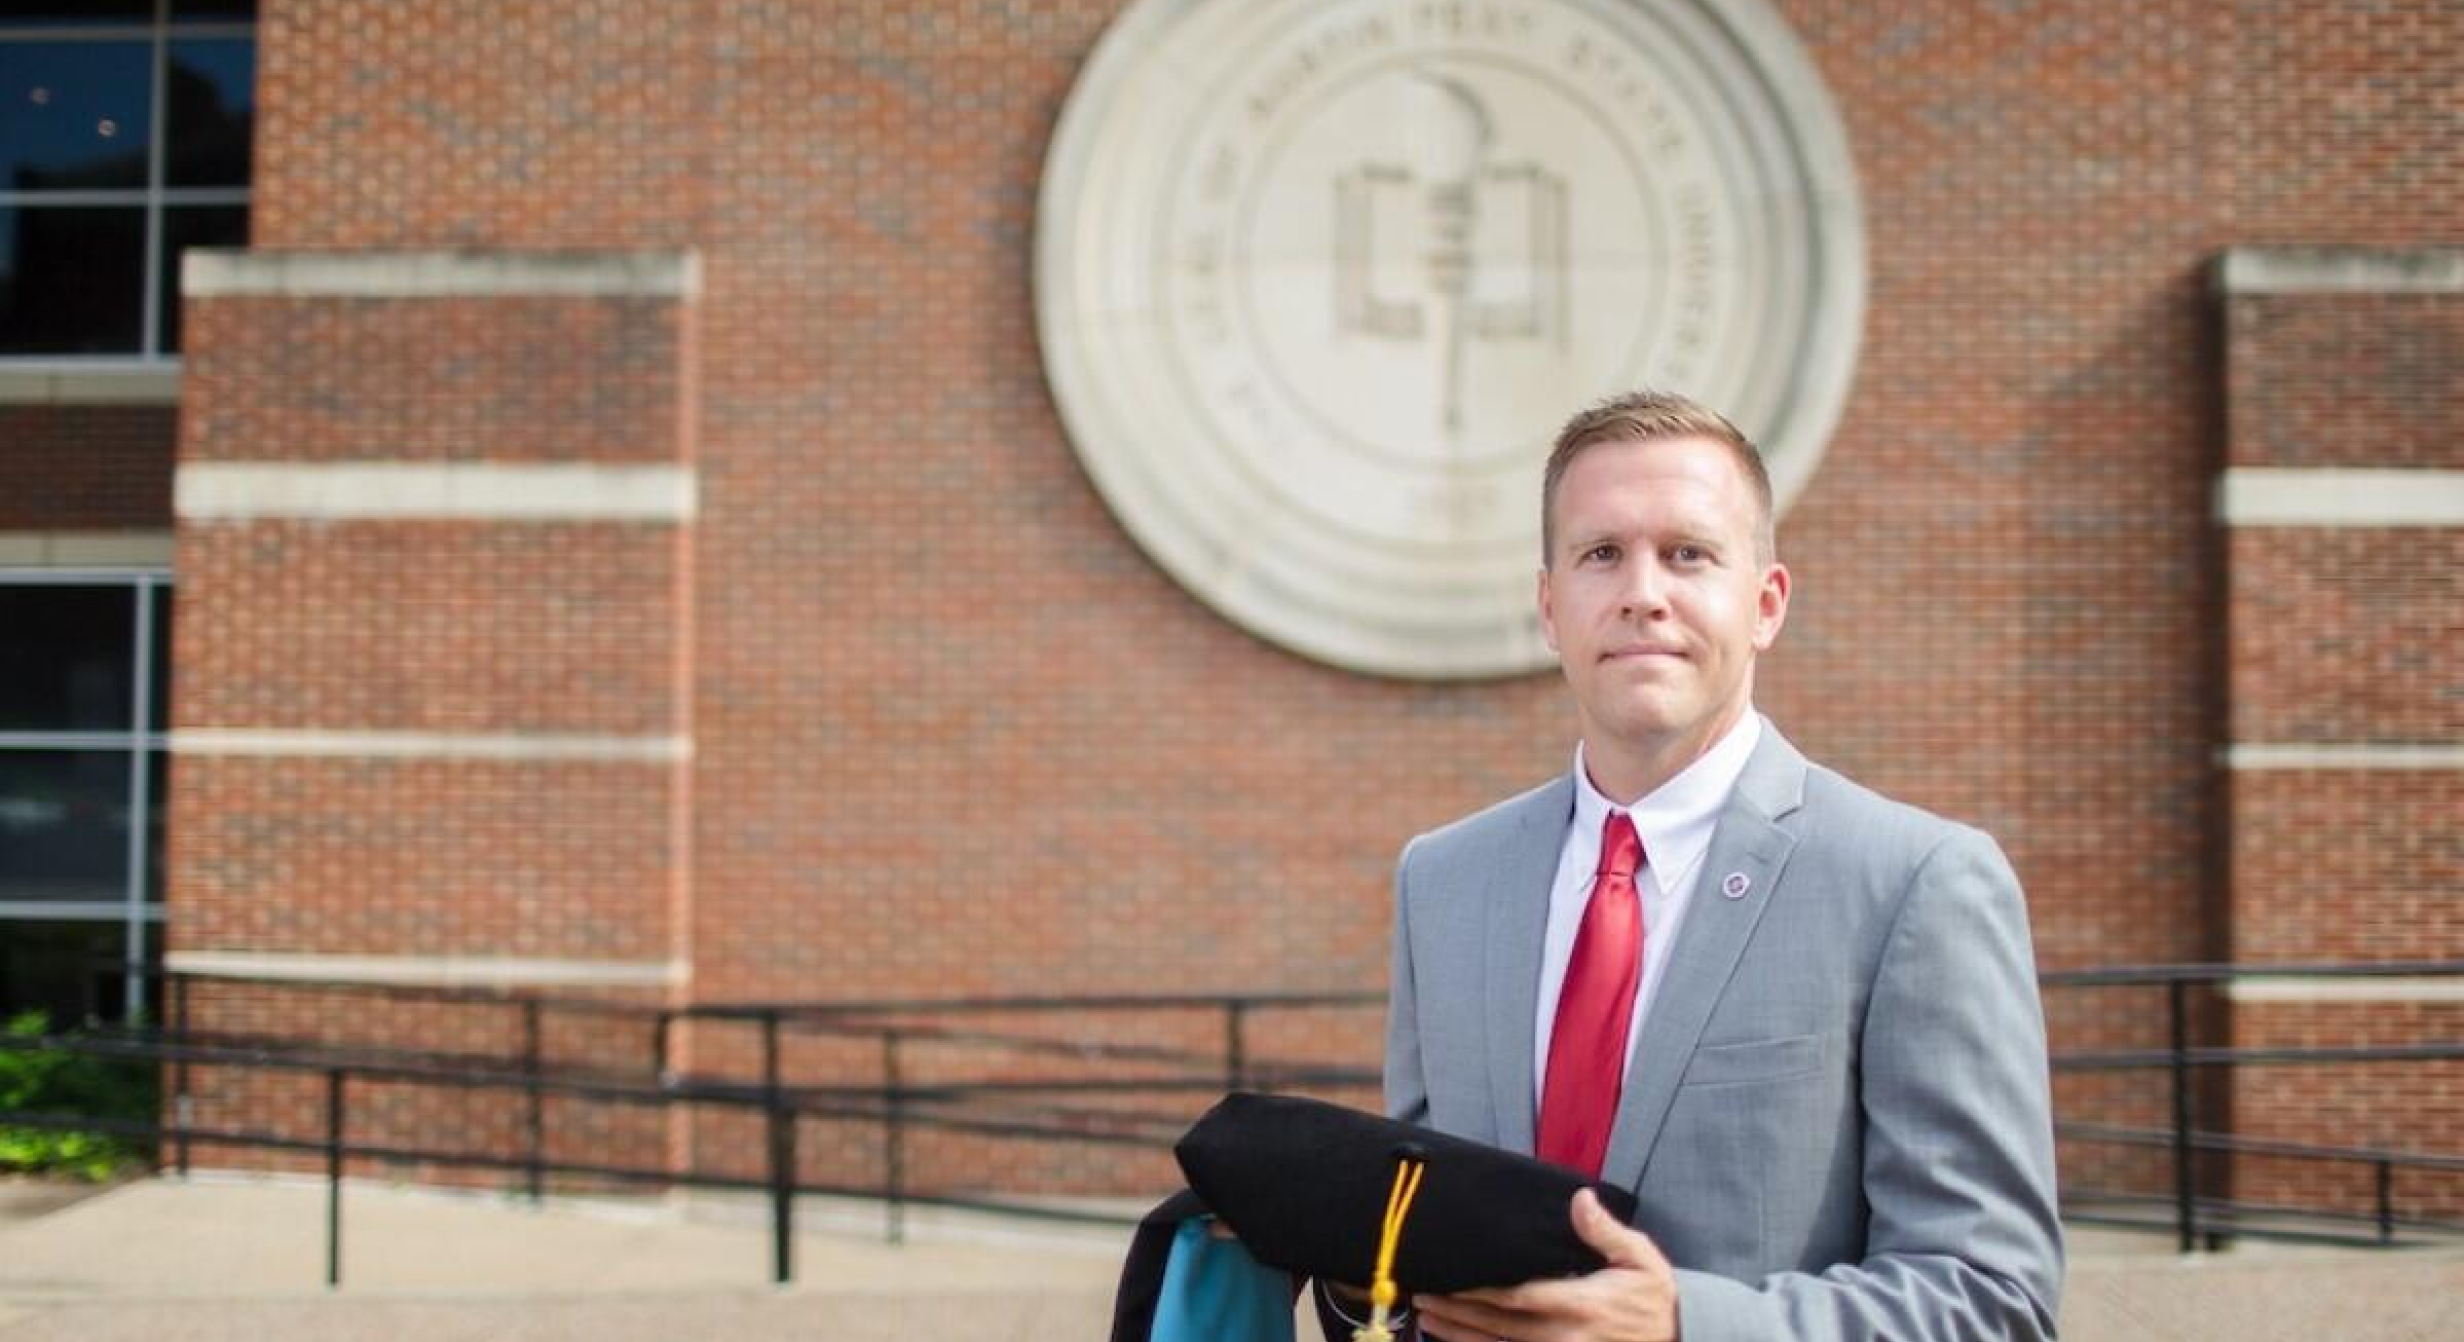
[(1548, 611), (1771, 606)]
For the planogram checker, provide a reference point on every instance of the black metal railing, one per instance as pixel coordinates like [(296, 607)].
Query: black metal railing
[(897, 1108), (2195, 1218), (1105, 1110)]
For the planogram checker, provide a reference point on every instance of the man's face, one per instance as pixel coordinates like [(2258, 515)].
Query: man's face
[(1654, 597)]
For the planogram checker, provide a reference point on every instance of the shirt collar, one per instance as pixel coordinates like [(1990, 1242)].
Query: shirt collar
[(1675, 819)]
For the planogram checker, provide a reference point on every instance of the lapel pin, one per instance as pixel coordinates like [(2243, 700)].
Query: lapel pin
[(1736, 885)]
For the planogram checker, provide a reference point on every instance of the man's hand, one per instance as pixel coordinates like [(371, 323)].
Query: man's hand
[(1633, 1299)]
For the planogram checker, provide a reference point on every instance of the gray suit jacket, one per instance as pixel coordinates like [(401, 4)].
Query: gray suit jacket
[(1837, 1118)]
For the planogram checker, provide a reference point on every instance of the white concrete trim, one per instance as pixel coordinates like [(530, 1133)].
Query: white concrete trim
[(228, 273), (119, 740), (2346, 990), (151, 383), (502, 746), (2344, 756), (76, 910), (448, 971), (483, 491), (86, 549), (2341, 270), (2271, 496)]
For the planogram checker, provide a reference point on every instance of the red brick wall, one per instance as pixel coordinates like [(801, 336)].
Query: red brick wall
[(2361, 865), (2346, 636), (2349, 634), (421, 857), (431, 625), (575, 123), (955, 734), (921, 617), (2335, 122), (85, 467), (2360, 380), (529, 379), (2396, 1106)]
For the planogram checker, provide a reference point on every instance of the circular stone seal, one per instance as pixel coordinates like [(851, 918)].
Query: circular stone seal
[(1317, 280)]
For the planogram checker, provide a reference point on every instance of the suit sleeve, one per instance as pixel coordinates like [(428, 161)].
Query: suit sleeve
[(1407, 1088), (1963, 1237)]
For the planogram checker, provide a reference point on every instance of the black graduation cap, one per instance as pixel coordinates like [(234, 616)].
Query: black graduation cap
[(1317, 1190)]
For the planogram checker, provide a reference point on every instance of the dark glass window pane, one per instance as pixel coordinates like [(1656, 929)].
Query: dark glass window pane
[(75, 13), (209, 102), (218, 11), (157, 802), (64, 825), (72, 280), (193, 226), (64, 969), (158, 709), (73, 114), (65, 658)]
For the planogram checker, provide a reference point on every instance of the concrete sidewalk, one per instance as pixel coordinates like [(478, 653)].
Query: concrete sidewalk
[(216, 1259), (244, 1260)]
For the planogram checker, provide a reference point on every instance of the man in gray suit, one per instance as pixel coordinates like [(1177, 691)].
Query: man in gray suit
[(1798, 1019)]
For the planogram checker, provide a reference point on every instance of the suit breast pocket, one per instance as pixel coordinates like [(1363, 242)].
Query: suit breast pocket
[(1747, 1148), (1753, 1061)]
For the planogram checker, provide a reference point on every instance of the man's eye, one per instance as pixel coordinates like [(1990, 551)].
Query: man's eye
[(1604, 554), (1689, 554)]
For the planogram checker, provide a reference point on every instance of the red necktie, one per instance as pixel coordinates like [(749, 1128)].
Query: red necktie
[(1587, 1047)]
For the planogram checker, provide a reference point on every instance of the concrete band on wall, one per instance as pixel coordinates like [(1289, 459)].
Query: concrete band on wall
[(480, 491), (2324, 756), (133, 384), (85, 549), (2406, 988), (499, 746), (210, 273), (2269, 496), (450, 971), (2340, 270)]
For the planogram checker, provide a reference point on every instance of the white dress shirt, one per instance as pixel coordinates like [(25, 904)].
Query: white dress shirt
[(1675, 823)]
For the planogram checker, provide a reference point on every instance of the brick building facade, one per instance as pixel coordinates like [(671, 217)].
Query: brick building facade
[(804, 662)]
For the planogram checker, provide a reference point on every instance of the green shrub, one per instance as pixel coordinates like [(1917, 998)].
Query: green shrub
[(57, 1081)]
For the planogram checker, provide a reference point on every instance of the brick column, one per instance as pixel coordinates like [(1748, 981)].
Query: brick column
[(434, 654), (2342, 501)]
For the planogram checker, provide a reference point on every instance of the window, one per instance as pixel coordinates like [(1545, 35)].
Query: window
[(124, 139), (84, 675)]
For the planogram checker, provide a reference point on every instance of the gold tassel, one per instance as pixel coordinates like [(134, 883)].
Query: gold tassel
[(1380, 1327)]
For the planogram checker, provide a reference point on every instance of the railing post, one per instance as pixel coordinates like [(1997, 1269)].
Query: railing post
[(2386, 1202), (770, 1048), (659, 1043), (333, 1176), (183, 1107), (534, 1128), (893, 1139), (782, 1156), (1235, 1043), (2185, 1188)]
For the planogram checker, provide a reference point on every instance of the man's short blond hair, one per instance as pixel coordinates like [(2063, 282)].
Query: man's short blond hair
[(1645, 417)]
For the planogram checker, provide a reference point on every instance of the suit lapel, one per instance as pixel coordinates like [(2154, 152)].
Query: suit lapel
[(1517, 896), (1749, 843)]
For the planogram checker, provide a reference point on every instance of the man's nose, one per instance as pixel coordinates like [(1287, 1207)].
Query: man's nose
[(1646, 586)]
